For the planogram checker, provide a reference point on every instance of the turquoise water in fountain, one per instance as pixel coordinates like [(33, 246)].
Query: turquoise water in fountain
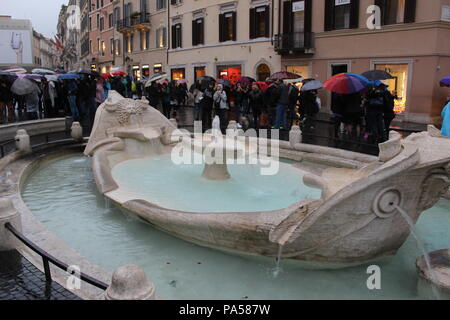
[(63, 195), (182, 187)]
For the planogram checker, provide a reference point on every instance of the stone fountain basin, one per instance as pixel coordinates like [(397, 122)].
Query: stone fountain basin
[(355, 221)]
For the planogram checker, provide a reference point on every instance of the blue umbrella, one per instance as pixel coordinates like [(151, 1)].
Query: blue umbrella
[(68, 76)]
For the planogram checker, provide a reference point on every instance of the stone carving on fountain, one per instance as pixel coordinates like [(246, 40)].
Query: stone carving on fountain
[(355, 221)]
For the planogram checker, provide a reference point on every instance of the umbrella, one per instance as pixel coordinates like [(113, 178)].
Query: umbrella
[(284, 75), (105, 76), (8, 75), (23, 86), (156, 77), (37, 77), (68, 76), (445, 82), (181, 81), (207, 78), (43, 71), (312, 85), (263, 85), (224, 82), (377, 75), (294, 80), (59, 70), (88, 72), (52, 77), (246, 80), (16, 70), (346, 83), (118, 73)]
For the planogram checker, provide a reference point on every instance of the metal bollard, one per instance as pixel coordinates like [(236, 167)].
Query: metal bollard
[(8, 214)]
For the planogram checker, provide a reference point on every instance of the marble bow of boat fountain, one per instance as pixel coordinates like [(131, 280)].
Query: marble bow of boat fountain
[(323, 216)]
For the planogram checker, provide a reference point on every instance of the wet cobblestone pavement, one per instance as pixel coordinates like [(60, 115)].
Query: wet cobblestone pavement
[(21, 280)]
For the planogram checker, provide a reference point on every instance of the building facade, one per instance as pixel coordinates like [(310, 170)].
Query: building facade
[(144, 30), (69, 36), (321, 38), (101, 35), (223, 39)]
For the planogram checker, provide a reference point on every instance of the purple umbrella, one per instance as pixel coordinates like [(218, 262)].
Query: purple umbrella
[(445, 82), (246, 80), (32, 76), (283, 75)]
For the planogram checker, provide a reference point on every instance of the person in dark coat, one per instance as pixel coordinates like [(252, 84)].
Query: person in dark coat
[(118, 86), (337, 109), (292, 106), (207, 106), (375, 104), (309, 107), (165, 99), (6, 100), (388, 111), (352, 112), (154, 94), (256, 103)]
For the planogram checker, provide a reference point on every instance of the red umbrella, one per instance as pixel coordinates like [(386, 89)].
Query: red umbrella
[(284, 75), (118, 73), (105, 76), (263, 85)]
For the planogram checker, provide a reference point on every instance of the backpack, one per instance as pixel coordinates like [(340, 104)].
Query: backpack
[(376, 102)]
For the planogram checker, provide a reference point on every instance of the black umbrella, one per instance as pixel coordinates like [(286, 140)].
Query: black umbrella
[(373, 75), (205, 81), (88, 72), (224, 82)]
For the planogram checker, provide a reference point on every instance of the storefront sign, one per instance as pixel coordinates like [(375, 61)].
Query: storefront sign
[(298, 6), (445, 13), (342, 2)]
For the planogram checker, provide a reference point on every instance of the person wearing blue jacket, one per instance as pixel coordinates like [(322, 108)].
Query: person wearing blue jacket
[(446, 119)]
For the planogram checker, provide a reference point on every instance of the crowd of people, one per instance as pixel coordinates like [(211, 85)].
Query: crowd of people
[(366, 115)]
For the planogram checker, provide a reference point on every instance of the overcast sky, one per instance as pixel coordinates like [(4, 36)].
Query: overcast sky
[(42, 13)]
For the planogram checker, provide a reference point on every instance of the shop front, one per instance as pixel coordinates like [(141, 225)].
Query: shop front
[(230, 72), (178, 74), (137, 72), (399, 84), (146, 71), (199, 72)]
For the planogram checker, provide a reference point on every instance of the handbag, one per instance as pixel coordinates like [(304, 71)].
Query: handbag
[(264, 120)]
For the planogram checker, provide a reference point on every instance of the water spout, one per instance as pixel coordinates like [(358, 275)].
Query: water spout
[(422, 248), (278, 269)]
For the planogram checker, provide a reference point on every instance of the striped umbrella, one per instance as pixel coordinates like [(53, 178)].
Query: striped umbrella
[(346, 83), (16, 70)]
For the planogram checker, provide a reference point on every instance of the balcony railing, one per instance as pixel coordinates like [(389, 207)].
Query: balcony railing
[(131, 22), (297, 42)]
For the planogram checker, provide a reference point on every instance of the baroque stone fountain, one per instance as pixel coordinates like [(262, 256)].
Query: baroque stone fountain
[(353, 218)]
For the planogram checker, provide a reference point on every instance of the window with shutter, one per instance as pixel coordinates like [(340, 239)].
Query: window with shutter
[(341, 14), (259, 22)]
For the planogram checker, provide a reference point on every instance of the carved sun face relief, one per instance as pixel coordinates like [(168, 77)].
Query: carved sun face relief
[(125, 108)]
